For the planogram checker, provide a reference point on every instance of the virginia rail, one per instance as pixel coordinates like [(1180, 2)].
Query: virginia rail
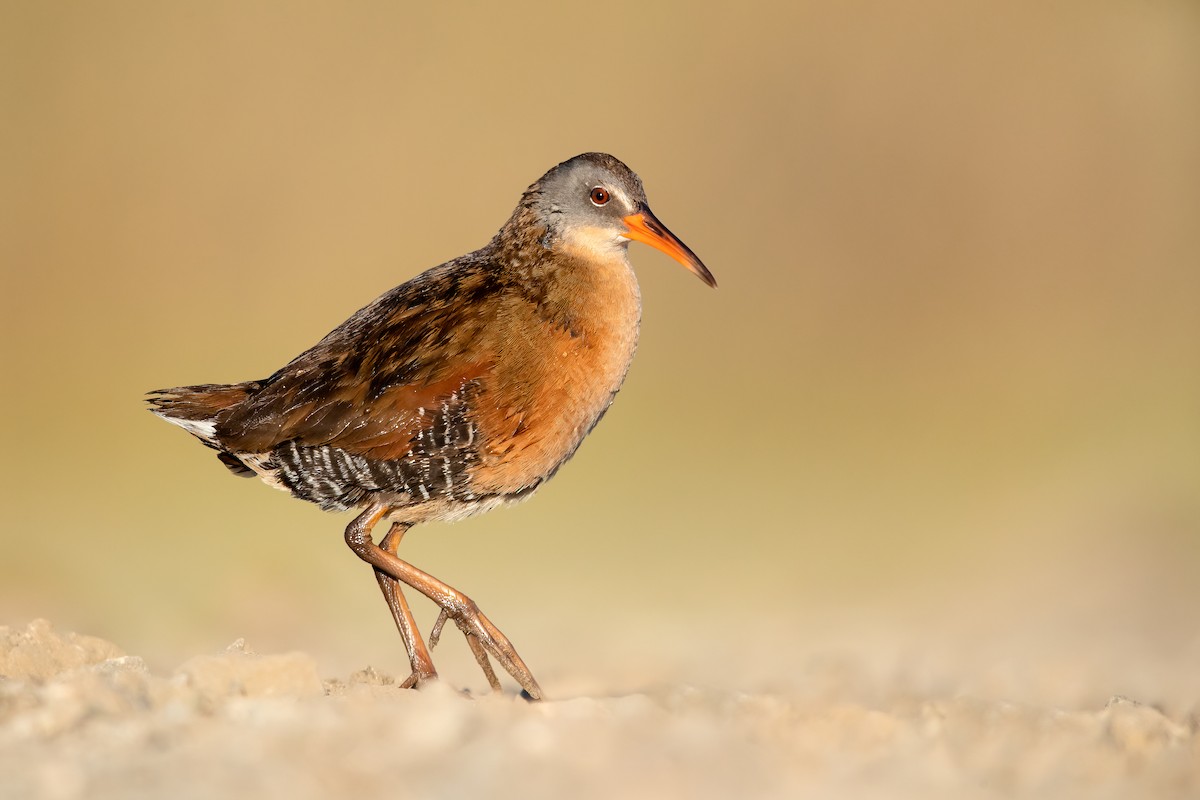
[(462, 390)]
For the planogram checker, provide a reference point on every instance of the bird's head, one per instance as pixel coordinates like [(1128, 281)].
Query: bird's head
[(595, 204)]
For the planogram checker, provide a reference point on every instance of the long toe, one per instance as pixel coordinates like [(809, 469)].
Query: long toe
[(489, 640)]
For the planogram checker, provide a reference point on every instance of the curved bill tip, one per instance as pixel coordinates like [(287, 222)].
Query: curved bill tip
[(644, 227)]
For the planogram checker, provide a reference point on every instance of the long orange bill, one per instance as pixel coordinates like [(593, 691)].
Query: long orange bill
[(645, 227)]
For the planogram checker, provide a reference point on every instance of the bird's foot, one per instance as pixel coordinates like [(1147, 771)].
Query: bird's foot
[(417, 679), (484, 638)]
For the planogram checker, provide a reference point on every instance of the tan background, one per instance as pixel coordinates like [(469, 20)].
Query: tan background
[(948, 391)]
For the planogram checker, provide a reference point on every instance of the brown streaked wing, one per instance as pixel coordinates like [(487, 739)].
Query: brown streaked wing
[(361, 387), (342, 415)]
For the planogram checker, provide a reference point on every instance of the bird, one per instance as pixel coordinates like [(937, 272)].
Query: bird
[(459, 391)]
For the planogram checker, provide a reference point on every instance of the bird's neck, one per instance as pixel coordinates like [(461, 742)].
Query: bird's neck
[(578, 285), (521, 243)]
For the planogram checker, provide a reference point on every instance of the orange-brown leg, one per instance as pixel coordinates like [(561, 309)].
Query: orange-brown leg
[(483, 637), (418, 656)]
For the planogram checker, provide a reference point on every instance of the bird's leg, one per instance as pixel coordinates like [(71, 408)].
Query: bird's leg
[(455, 605), (418, 656)]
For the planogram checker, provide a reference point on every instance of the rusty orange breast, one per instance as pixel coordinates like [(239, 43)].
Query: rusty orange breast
[(561, 357)]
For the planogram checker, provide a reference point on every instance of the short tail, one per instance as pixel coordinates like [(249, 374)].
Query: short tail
[(195, 408)]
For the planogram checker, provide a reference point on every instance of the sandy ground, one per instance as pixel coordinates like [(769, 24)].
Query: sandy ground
[(80, 718), (897, 512)]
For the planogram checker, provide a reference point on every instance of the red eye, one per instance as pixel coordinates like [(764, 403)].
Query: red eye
[(599, 195)]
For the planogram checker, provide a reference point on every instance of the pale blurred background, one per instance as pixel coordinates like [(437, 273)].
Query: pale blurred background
[(948, 390)]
